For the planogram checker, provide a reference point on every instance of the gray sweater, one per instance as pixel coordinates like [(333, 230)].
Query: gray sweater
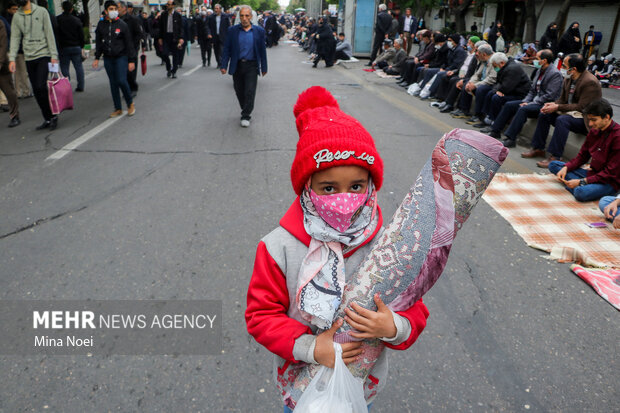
[(34, 32), (346, 47)]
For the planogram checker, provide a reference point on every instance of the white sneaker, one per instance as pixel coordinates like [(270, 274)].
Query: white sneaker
[(245, 123)]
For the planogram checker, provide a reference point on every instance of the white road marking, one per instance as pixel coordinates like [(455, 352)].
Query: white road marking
[(170, 83), (192, 71), (65, 150)]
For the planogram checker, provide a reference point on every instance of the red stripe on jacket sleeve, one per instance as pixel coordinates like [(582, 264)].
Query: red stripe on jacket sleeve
[(417, 315), (267, 305)]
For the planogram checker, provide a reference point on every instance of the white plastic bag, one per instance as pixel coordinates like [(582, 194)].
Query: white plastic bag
[(426, 92), (413, 89), (333, 391)]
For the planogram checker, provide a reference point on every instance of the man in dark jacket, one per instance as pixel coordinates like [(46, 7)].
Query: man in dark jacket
[(424, 55), (71, 42), (325, 43), (382, 28), (407, 25), (272, 30), (202, 35), (452, 85), (456, 57), (171, 37), (218, 28), (580, 88), (512, 84), (6, 79), (137, 34), (114, 43), (546, 87)]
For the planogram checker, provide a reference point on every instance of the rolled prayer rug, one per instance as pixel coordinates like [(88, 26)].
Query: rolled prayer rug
[(410, 255)]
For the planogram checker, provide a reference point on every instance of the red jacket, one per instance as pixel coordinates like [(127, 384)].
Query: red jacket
[(268, 313)]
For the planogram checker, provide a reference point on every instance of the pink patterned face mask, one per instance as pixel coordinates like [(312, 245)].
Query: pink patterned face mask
[(338, 210)]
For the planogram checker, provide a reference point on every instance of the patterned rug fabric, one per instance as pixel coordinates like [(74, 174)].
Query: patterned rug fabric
[(406, 261), (549, 218), (605, 282)]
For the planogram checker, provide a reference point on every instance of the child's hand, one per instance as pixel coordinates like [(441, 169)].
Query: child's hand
[(324, 347), (371, 324)]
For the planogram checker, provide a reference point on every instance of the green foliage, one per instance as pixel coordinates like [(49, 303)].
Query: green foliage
[(295, 4)]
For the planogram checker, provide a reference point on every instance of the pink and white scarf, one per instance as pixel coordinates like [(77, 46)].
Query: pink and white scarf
[(322, 274)]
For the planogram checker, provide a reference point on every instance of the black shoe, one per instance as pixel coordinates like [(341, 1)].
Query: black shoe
[(77, 89), (174, 76), (509, 143), (459, 114), (14, 122), (44, 125), (168, 74), (180, 66), (495, 134), (446, 109), (54, 123), (369, 64), (479, 125), (204, 64), (486, 129)]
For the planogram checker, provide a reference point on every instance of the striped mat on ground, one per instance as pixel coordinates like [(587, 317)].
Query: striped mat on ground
[(605, 282), (549, 218)]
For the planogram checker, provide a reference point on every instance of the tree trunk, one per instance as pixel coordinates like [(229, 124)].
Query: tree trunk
[(531, 20), (86, 20), (459, 14), (560, 18)]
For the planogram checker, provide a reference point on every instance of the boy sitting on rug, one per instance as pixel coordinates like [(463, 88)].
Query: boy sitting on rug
[(609, 207), (602, 147), (304, 265)]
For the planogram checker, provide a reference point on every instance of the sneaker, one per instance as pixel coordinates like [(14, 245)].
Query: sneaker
[(486, 129), (116, 113), (473, 120), (446, 109), (174, 75), (245, 123), (478, 125), (131, 110), (435, 104), (459, 114), (442, 105)]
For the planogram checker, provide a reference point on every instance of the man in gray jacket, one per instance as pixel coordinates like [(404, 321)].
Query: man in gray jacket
[(344, 50), (546, 87), (31, 29)]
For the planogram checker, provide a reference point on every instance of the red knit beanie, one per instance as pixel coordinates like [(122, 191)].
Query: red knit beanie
[(329, 137)]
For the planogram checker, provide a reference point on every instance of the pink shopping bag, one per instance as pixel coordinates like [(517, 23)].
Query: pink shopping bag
[(59, 92)]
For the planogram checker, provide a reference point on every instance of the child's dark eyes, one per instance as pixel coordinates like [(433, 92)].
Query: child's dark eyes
[(328, 189), (356, 187)]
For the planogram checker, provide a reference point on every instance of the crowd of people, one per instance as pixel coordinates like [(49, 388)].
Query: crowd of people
[(496, 86), (33, 40)]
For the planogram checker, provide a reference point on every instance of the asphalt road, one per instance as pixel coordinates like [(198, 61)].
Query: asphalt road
[(170, 204)]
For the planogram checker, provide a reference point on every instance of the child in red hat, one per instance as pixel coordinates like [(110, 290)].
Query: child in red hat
[(303, 266)]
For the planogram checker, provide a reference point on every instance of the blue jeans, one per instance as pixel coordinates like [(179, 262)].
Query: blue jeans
[(589, 192), (606, 200), (465, 101), (72, 55), (116, 68), (521, 114), (563, 125)]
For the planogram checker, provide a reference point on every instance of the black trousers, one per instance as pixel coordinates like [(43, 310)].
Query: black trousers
[(217, 48), (340, 55), (37, 73), (379, 38), (245, 80), (170, 48), (205, 51), (445, 83), (454, 93)]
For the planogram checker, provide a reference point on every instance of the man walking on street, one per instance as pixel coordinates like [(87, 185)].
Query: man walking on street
[(202, 33), (113, 39), (32, 29), (218, 28), (71, 43), (137, 34), (244, 57), (171, 37), (6, 79)]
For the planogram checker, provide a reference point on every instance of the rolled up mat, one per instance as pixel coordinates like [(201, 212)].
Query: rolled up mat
[(410, 255)]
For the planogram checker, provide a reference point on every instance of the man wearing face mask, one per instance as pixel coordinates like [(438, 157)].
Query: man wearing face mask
[(424, 55), (580, 88), (478, 85), (114, 43), (202, 33), (601, 150), (31, 28), (456, 57), (546, 87), (171, 37)]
